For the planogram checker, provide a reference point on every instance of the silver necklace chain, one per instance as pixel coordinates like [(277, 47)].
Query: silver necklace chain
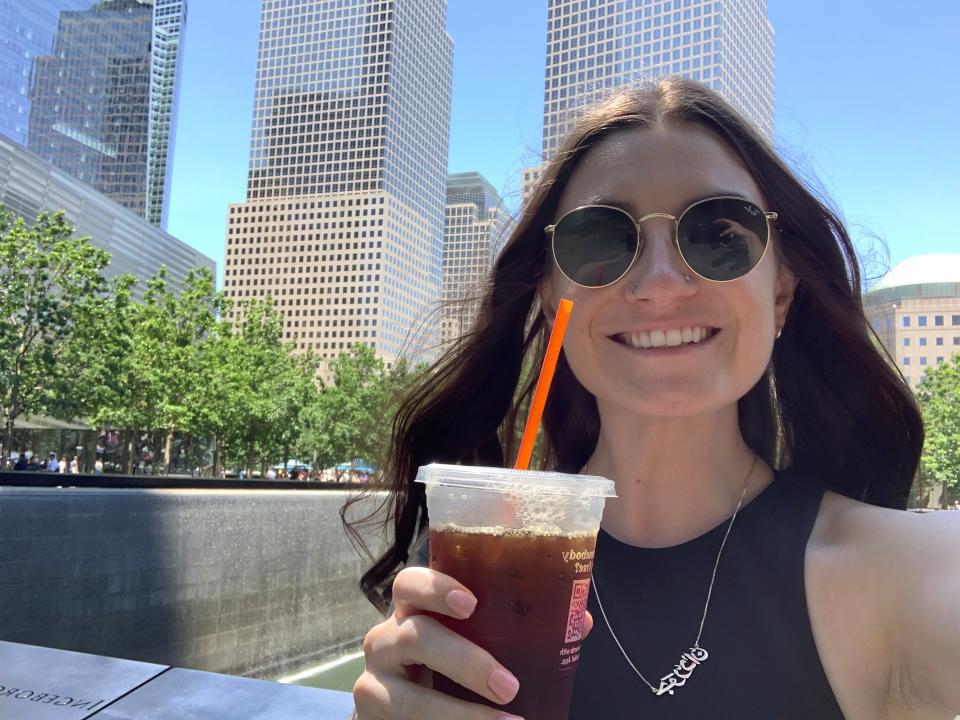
[(696, 655)]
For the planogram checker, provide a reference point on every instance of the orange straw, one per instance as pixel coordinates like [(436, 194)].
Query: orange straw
[(543, 385)]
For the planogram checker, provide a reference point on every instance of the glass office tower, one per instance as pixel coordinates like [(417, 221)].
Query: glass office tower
[(103, 102), (27, 29)]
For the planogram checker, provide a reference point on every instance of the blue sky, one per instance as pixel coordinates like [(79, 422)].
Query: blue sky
[(866, 106)]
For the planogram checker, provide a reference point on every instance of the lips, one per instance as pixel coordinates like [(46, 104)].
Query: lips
[(671, 337)]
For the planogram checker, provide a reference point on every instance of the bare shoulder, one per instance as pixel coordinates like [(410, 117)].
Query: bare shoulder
[(884, 581), (876, 534)]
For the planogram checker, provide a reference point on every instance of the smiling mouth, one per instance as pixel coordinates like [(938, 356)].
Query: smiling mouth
[(674, 337)]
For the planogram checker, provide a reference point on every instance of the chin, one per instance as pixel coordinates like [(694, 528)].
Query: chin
[(674, 404)]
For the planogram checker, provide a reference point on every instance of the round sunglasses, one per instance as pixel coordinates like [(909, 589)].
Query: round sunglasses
[(719, 238)]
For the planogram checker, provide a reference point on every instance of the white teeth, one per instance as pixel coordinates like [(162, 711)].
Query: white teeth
[(665, 338)]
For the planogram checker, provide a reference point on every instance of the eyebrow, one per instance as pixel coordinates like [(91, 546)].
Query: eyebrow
[(626, 204)]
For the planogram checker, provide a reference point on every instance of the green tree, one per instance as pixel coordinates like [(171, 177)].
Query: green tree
[(260, 388), (159, 379), (339, 425), (353, 417), (939, 396), (51, 288)]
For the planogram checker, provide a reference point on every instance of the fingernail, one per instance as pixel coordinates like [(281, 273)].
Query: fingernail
[(461, 603), (509, 717), (503, 684)]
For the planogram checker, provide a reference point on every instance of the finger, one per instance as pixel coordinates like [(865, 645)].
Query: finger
[(417, 589), (393, 698), (587, 622), (422, 640)]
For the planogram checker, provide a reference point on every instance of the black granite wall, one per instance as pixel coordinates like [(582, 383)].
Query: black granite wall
[(256, 583)]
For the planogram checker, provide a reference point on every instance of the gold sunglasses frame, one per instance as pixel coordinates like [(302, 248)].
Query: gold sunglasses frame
[(550, 230)]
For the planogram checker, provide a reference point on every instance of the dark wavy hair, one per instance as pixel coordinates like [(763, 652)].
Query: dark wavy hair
[(831, 404)]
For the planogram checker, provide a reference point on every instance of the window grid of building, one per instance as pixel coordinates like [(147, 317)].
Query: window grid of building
[(169, 20), (102, 102), (918, 324), (343, 220), (596, 45), (26, 32), (476, 227)]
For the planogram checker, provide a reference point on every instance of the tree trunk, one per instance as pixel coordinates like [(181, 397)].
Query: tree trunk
[(7, 440), (126, 456), (89, 453), (156, 449), (216, 457), (168, 452)]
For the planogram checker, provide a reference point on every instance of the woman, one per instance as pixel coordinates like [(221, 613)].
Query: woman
[(717, 367)]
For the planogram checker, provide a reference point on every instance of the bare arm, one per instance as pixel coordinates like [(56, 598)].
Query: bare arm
[(926, 672)]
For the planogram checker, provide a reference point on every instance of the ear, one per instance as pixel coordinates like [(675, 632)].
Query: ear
[(786, 285), (548, 299)]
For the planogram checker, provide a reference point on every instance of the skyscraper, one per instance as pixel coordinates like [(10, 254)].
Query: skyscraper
[(27, 30), (169, 21), (594, 46), (103, 102), (477, 225), (343, 222)]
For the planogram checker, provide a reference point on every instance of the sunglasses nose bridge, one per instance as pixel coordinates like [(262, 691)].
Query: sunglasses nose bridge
[(660, 270)]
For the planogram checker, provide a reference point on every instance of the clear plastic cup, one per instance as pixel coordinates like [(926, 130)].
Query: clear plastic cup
[(523, 543)]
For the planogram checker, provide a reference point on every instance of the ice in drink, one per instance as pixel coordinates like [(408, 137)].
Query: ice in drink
[(522, 542)]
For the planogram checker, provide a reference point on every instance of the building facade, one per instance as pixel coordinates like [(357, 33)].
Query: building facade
[(30, 185), (27, 30), (344, 216), (596, 46), (476, 228), (915, 311), (103, 102), (169, 23)]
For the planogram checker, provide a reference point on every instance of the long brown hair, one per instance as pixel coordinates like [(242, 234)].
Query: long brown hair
[(831, 403)]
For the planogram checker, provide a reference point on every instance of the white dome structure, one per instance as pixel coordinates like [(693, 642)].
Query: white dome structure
[(922, 270)]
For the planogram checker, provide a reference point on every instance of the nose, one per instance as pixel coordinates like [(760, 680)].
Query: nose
[(660, 276)]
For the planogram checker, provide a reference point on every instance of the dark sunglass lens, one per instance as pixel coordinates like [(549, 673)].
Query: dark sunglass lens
[(595, 246), (724, 238)]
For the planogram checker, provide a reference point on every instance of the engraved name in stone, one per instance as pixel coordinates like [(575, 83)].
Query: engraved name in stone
[(682, 672), (49, 698)]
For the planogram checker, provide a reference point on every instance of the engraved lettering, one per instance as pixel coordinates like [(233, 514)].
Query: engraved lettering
[(37, 697)]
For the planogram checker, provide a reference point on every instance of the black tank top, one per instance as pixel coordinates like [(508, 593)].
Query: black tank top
[(763, 663)]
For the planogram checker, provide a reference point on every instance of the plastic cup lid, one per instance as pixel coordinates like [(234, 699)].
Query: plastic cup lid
[(515, 481)]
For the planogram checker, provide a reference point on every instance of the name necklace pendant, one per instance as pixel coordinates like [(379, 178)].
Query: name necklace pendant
[(696, 655)]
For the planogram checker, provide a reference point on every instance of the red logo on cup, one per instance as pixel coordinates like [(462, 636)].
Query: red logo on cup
[(578, 607)]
